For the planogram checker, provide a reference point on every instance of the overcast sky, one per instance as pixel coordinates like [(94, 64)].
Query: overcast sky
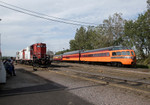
[(19, 30)]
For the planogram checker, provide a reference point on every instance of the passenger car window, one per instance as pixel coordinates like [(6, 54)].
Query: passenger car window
[(107, 54), (113, 53)]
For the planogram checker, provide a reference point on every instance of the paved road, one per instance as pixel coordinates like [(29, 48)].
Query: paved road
[(29, 89)]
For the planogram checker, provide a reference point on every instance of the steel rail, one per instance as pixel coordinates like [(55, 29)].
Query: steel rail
[(109, 77)]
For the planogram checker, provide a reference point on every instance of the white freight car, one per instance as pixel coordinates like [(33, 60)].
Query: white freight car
[(27, 53)]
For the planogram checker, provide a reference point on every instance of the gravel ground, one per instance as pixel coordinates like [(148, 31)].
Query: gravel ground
[(143, 75), (98, 94)]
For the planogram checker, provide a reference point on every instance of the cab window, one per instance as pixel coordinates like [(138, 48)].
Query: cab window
[(43, 46), (38, 45), (118, 53), (124, 53), (132, 53), (128, 53)]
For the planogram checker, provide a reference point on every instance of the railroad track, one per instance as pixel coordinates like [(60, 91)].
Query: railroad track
[(108, 77), (141, 84), (136, 84)]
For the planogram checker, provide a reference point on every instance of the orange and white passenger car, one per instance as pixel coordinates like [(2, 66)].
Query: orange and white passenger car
[(115, 55)]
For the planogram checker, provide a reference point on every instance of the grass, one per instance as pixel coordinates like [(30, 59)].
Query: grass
[(142, 66), (143, 63)]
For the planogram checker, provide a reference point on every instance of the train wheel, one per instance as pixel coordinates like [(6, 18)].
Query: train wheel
[(119, 64), (114, 63)]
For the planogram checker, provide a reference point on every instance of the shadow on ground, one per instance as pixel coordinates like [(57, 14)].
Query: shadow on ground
[(26, 83), (30, 89)]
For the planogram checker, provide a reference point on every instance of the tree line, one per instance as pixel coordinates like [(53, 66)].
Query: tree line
[(116, 31)]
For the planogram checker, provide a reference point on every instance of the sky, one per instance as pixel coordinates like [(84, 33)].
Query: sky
[(19, 30)]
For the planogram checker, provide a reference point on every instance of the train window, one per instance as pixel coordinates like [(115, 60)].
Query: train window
[(38, 45), (114, 54), (107, 54), (128, 53), (100, 54), (95, 55), (124, 53), (43, 46), (132, 53), (118, 53), (104, 54)]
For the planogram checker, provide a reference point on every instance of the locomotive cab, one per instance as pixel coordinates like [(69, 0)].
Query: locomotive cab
[(124, 56)]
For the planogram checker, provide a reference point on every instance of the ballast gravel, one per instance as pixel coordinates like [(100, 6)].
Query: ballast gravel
[(98, 94)]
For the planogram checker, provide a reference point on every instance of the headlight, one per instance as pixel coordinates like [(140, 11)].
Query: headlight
[(129, 57)]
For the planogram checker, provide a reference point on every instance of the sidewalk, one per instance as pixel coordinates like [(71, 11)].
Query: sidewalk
[(29, 89)]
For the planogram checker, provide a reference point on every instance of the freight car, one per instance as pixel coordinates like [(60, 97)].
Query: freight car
[(34, 55), (115, 55)]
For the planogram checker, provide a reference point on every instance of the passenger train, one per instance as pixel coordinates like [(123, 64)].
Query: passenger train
[(115, 55)]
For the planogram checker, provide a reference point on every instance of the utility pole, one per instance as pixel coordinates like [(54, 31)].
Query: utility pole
[(0, 40)]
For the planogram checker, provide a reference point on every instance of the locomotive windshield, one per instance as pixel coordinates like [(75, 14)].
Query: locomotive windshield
[(121, 53), (38, 45), (41, 46)]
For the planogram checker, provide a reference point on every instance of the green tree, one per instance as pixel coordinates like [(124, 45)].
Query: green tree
[(101, 39), (80, 38), (61, 52), (137, 34), (73, 45), (148, 4), (108, 34), (90, 38), (113, 29)]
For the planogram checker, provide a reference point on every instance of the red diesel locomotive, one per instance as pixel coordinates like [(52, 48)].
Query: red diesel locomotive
[(34, 54)]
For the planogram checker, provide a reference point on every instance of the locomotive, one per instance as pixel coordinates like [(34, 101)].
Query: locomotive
[(34, 55), (115, 55)]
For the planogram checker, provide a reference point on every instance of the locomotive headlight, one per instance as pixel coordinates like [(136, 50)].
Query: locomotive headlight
[(128, 57)]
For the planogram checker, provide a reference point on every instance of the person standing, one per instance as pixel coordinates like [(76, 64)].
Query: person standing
[(8, 67), (12, 65)]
